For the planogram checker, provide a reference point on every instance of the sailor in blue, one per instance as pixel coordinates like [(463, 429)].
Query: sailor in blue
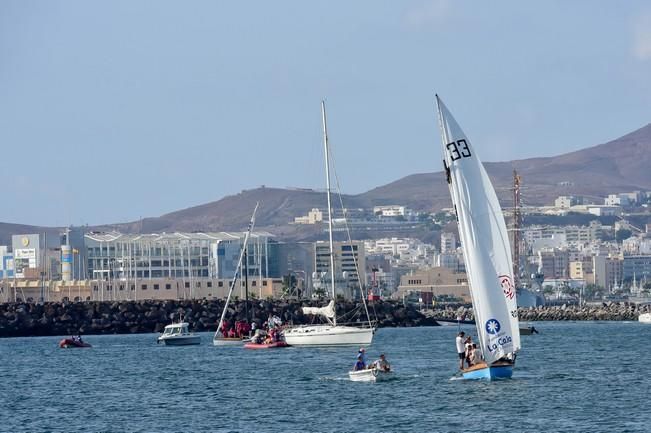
[(360, 364)]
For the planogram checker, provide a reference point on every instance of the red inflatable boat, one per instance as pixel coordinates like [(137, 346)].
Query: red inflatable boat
[(275, 345)]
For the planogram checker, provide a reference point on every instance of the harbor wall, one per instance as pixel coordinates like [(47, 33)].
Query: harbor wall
[(613, 311), (124, 317)]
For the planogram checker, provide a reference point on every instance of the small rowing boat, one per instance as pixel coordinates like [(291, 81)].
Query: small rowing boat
[(369, 375)]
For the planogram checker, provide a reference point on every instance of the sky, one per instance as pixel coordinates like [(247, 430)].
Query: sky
[(115, 110)]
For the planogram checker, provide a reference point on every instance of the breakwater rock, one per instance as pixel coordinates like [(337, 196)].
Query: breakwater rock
[(122, 317), (603, 311)]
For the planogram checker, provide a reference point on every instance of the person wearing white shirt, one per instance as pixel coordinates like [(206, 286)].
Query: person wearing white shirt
[(461, 350)]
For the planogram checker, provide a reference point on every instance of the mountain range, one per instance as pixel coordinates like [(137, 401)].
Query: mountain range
[(620, 165)]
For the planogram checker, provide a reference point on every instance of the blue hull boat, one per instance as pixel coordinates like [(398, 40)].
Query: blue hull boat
[(489, 373)]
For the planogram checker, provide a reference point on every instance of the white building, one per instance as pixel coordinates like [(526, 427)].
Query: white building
[(314, 216), (448, 242), (392, 211)]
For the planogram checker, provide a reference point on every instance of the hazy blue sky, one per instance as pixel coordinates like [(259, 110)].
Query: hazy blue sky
[(119, 109)]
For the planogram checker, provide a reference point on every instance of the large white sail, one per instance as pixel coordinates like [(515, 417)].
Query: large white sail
[(485, 242)]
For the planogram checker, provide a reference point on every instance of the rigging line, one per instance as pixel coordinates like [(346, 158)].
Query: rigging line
[(350, 242)]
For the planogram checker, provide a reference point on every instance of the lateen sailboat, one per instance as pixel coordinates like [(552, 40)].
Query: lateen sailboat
[(329, 334), (218, 338), (486, 252)]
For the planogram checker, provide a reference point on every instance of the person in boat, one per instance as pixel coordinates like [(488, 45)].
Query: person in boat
[(461, 350), (467, 350), (475, 355), (382, 364), (360, 364), (362, 353)]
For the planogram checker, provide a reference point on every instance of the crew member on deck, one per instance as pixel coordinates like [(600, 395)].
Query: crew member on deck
[(461, 350)]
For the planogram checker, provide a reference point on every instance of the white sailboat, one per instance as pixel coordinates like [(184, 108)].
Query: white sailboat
[(219, 339), (330, 334), (486, 250)]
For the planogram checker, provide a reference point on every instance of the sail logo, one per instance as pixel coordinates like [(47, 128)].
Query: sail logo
[(493, 326), (507, 286), (499, 344)]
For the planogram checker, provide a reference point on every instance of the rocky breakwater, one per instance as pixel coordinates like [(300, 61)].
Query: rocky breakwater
[(25, 319), (603, 311)]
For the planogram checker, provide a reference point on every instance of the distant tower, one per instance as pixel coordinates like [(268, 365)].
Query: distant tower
[(66, 259)]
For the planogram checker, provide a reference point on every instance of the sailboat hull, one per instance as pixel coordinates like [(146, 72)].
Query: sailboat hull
[(489, 373), (221, 341), (328, 335)]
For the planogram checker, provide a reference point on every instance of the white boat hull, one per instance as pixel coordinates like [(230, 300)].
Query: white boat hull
[(645, 318), (328, 335), (183, 340), (228, 341), (369, 375)]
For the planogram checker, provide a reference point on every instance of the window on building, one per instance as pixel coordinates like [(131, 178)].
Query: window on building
[(187, 284), (209, 284), (198, 284), (94, 288), (254, 283), (220, 284), (143, 287), (168, 287), (121, 287), (156, 287), (264, 283), (133, 287)]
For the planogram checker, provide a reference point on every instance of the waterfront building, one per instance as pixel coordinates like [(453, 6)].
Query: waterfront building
[(555, 263), (636, 266), (434, 282), (346, 257), (6, 263), (114, 255), (608, 272)]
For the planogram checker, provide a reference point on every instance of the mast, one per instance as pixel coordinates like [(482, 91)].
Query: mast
[(246, 284), (237, 270), (516, 229), (327, 167)]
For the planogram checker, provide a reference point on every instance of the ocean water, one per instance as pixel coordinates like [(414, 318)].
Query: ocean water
[(572, 377)]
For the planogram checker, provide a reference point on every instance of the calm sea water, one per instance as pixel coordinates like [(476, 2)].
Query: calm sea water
[(572, 377)]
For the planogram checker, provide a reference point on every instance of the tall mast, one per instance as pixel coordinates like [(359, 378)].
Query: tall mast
[(327, 167), (246, 284), (237, 270), (516, 229)]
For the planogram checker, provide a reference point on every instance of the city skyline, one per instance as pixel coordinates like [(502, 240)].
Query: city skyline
[(112, 112)]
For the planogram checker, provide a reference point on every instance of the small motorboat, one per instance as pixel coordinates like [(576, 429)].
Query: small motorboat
[(272, 345), (645, 318), (178, 334), (528, 330), (72, 342), (369, 375)]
